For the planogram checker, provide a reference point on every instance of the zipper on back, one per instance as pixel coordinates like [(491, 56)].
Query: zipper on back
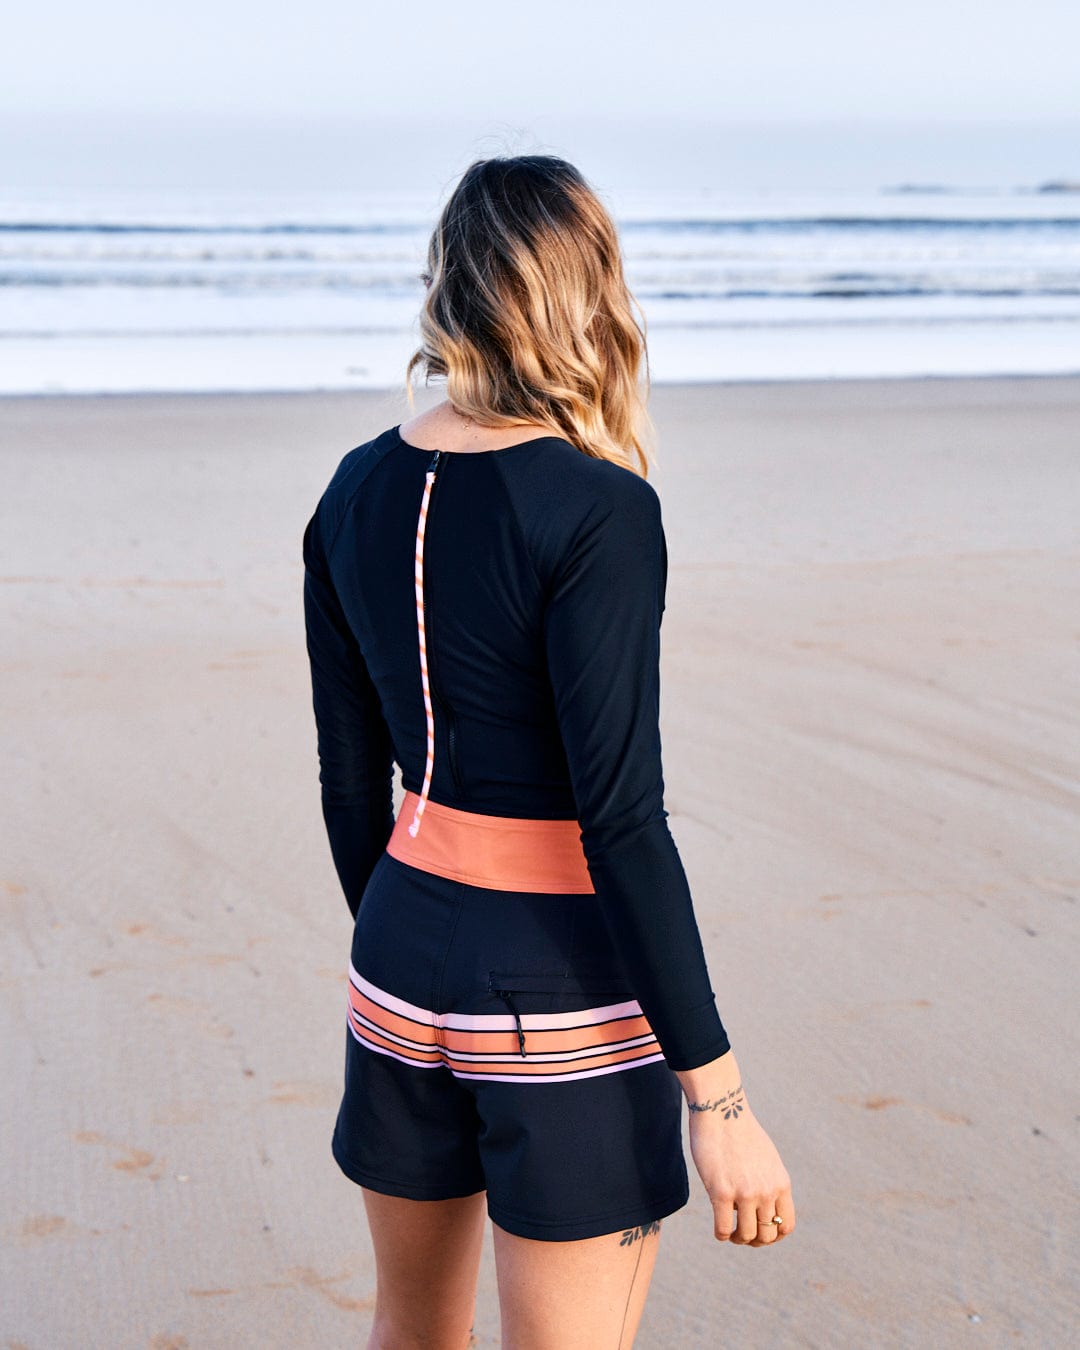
[(421, 607), (449, 716)]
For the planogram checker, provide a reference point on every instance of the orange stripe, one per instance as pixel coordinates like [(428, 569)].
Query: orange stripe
[(545, 1042), (420, 1056), (388, 1021), (495, 852)]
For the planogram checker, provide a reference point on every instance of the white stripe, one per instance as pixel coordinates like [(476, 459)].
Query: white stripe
[(388, 1001)]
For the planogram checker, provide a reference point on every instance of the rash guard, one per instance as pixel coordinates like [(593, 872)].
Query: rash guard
[(544, 580)]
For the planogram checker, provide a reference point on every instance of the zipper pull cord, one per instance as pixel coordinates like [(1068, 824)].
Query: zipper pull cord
[(505, 996), (421, 525)]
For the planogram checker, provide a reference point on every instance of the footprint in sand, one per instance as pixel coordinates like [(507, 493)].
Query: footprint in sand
[(142, 929), (41, 1227), (134, 1161), (880, 1103), (299, 1277), (304, 1092), (305, 1277), (858, 1011)]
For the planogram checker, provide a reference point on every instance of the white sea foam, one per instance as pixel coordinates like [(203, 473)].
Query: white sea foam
[(144, 292)]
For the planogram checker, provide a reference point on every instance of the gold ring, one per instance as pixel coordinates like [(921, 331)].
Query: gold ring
[(776, 1219)]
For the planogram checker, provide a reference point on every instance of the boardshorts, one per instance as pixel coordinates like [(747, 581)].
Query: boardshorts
[(492, 1043)]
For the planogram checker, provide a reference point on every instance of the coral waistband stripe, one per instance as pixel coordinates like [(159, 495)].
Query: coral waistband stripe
[(495, 852)]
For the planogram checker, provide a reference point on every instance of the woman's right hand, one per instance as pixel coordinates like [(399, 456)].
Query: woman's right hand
[(737, 1161)]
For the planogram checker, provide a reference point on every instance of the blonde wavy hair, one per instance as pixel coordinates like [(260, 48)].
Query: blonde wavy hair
[(528, 315)]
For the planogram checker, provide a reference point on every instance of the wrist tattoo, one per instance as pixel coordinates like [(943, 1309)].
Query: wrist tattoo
[(633, 1235), (729, 1105)]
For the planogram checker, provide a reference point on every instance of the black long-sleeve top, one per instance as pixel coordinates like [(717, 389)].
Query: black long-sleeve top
[(545, 573)]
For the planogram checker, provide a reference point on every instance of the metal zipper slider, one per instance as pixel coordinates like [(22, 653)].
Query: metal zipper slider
[(433, 463)]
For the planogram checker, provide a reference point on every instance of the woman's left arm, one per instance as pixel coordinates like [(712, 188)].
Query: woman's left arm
[(356, 756)]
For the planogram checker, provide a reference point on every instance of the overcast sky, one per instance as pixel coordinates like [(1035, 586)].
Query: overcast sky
[(495, 58), (417, 78)]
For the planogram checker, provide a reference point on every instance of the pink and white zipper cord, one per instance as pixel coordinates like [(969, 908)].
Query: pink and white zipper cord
[(429, 767)]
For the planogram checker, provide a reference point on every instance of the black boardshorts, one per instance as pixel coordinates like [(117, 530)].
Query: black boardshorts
[(492, 1045)]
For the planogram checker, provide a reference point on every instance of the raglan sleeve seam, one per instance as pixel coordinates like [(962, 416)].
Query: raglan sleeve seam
[(519, 528)]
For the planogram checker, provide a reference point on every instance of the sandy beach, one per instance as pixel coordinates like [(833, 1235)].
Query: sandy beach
[(871, 723)]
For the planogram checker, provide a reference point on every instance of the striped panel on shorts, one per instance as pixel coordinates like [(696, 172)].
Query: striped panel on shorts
[(562, 1046)]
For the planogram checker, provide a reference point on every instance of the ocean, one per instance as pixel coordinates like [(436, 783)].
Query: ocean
[(121, 292)]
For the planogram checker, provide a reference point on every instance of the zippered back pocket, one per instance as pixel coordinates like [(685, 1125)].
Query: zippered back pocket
[(598, 1000)]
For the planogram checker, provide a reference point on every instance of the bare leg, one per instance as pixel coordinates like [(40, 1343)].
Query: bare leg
[(586, 1295), (427, 1260)]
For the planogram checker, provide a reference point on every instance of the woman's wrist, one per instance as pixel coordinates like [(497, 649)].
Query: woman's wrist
[(714, 1088)]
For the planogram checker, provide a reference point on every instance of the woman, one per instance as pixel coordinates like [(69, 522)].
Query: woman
[(528, 998)]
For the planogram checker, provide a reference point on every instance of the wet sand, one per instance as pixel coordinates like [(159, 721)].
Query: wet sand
[(871, 719)]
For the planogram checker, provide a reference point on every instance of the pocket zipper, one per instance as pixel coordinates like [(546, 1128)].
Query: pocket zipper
[(504, 994)]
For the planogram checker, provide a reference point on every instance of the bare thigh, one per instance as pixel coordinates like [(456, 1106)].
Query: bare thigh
[(586, 1295), (427, 1260)]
